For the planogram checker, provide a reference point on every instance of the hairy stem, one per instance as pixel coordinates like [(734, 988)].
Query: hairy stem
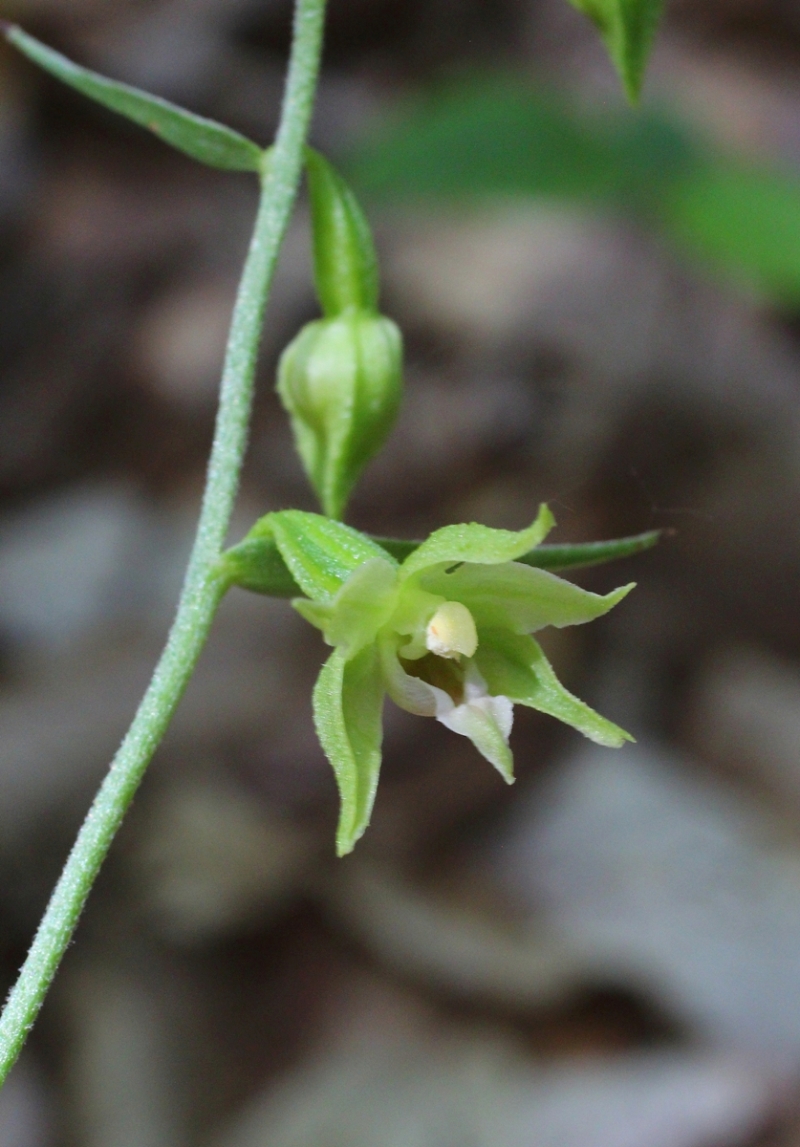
[(202, 588)]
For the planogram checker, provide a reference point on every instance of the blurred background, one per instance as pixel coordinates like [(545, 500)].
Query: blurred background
[(602, 309)]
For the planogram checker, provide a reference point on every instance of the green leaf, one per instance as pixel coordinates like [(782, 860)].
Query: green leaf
[(516, 667), (518, 597), (472, 542), (628, 28), (202, 139), (320, 553), (743, 220), (348, 705), (486, 136), (345, 264)]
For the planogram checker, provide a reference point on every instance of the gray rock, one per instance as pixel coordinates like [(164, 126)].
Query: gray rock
[(122, 1076), (61, 560), (669, 882), (746, 715), (395, 1078), (447, 946), (211, 860)]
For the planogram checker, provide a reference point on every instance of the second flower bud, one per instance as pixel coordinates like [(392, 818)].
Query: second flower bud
[(341, 382)]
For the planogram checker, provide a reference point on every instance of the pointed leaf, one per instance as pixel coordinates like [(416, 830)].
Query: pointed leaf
[(471, 542), (517, 668), (627, 28), (320, 553), (519, 598), (202, 139), (348, 702)]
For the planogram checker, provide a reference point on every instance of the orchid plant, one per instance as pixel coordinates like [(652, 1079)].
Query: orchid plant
[(443, 626)]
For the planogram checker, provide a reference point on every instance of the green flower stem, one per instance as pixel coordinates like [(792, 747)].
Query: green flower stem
[(203, 588)]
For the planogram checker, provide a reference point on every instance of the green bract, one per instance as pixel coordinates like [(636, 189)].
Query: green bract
[(446, 634), (345, 264)]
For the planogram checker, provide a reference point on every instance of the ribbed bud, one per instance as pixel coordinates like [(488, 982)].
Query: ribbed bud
[(341, 381)]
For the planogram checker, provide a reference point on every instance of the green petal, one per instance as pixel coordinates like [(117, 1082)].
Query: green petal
[(203, 139), (517, 668), (348, 705), (471, 542), (364, 603), (519, 597), (321, 554), (316, 612), (408, 692)]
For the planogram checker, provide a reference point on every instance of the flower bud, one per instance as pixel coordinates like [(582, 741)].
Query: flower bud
[(340, 381)]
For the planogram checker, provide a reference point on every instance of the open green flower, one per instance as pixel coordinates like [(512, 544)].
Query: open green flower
[(446, 634)]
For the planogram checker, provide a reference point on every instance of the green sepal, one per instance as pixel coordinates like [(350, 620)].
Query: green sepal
[(319, 553), (628, 28), (202, 139), (516, 667), (519, 598), (345, 264), (348, 705), (472, 542)]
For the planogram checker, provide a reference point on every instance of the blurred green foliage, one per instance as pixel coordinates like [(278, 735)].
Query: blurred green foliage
[(492, 137), (743, 220)]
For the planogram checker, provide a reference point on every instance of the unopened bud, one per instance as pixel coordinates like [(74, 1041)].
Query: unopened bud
[(340, 381)]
